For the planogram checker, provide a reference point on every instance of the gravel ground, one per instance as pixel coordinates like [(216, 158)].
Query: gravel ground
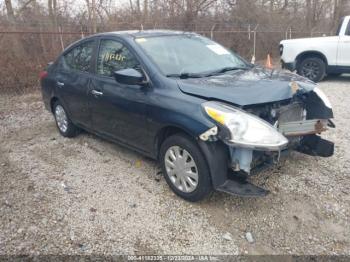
[(86, 195)]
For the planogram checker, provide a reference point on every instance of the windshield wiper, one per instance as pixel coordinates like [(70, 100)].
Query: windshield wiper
[(225, 69), (199, 75), (186, 75)]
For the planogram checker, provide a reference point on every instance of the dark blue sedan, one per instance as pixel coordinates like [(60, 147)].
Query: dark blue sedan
[(210, 118)]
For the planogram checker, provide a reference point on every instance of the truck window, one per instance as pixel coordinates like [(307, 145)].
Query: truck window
[(348, 29), (340, 26)]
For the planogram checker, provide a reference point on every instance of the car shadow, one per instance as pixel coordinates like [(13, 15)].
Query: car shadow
[(341, 78)]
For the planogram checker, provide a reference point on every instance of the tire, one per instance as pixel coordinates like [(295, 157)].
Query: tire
[(312, 68), (186, 151), (63, 122)]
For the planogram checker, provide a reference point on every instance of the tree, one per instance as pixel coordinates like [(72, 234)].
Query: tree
[(9, 10), (192, 9)]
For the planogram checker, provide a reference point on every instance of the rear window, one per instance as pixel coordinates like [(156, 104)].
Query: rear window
[(79, 58)]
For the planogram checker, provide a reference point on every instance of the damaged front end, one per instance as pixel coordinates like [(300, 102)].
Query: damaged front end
[(259, 135)]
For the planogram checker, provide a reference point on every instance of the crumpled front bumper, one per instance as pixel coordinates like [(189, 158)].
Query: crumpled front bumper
[(230, 165), (216, 154), (224, 180), (314, 145)]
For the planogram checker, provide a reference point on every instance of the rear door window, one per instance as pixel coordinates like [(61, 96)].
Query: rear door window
[(114, 56), (79, 58)]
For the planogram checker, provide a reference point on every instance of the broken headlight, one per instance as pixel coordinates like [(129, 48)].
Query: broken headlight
[(246, 130)]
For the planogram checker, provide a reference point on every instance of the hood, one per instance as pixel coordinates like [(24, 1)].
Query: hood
[(247, 87), (311, 40)]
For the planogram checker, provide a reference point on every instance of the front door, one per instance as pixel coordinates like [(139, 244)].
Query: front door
[(118, 110), (344, 49)]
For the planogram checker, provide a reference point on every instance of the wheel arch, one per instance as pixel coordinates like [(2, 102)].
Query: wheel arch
[(54, 99), (310, 53), (168, 131), (52, 102)]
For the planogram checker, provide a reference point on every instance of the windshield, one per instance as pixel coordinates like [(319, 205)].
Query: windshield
[(190, 55)]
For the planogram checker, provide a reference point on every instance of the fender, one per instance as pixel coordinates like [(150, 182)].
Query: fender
[(216, 154), (311, 53), (316, 107)]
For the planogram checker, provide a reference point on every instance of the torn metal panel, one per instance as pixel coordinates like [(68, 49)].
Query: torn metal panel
[(316, 108)]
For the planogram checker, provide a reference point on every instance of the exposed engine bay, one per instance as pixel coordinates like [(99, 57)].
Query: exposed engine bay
[(290, 118)]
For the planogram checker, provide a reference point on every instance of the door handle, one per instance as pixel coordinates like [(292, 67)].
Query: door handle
[(60, 84), (96, 93)]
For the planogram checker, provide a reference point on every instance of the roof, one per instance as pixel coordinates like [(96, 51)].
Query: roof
[(145, 33)]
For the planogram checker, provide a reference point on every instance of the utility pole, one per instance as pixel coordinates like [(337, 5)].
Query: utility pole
[(145, 11), (94, 23)]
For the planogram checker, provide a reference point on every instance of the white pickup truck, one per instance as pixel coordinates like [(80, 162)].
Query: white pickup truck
[(317, 57)]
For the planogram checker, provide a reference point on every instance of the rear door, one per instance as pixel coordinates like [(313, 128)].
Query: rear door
[(73, 81), (344, 48), (119, 110)]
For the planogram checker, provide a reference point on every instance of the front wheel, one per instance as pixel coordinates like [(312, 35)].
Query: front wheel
[(185, 168), (313, 68)]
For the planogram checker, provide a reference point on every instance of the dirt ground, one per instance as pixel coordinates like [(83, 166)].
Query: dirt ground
[(86, 195)]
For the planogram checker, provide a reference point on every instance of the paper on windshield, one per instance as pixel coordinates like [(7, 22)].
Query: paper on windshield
[(141, 40), (218, 49)]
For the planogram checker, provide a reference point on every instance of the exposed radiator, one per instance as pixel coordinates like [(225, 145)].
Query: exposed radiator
[(291, 113)]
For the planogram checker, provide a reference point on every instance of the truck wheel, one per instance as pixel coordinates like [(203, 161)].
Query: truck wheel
[(64, 124), (185, 168), (313, 68)]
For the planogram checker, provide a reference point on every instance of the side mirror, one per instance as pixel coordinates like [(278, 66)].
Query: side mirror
[(129, 76)]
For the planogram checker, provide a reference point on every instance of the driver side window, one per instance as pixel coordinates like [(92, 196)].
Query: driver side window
[(114, 56)]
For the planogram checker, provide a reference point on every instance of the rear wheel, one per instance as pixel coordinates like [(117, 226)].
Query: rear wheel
[(64, 124), (185, 168), (313, 68)]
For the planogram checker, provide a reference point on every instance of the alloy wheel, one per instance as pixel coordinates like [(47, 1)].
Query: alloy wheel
[(311, 70)]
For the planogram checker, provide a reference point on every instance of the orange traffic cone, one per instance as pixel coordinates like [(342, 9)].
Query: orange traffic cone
[(268, 63)]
